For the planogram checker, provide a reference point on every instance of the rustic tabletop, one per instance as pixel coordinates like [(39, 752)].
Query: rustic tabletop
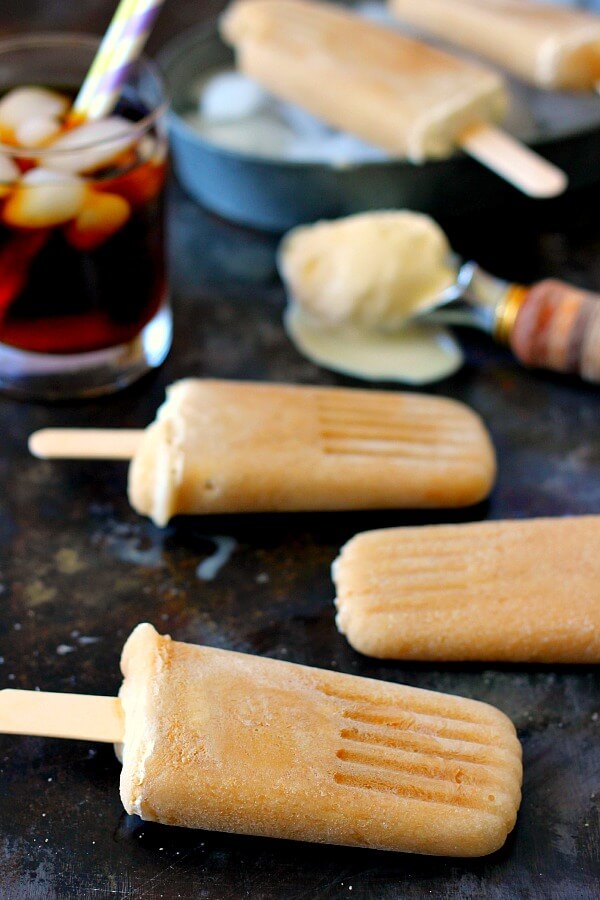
[(78, 569)]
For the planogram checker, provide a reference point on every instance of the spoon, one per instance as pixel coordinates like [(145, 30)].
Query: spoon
[(548, 325)]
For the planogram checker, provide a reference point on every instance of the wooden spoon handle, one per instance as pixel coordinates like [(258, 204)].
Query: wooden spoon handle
[(557, 326)]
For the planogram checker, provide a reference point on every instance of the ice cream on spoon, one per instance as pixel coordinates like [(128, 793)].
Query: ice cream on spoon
[(353, 285), (365, 291)]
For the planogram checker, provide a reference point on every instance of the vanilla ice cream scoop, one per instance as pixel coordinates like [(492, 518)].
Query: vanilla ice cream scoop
[(373, 270), (225, 446), (355, 284)]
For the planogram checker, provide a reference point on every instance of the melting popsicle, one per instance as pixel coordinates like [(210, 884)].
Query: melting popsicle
[(230, 742), (226, 446)]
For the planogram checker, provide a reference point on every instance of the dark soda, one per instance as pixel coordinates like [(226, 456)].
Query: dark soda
[(73, 288)]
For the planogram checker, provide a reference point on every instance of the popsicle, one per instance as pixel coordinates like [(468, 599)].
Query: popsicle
[(373, 269), (230, 742), (381, 86), (519, 591), (219, 446), (551, 46)]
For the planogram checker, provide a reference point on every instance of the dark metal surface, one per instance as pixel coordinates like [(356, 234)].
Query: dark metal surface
[(78, 569)]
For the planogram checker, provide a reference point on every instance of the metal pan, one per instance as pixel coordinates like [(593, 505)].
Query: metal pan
[(275, 195)]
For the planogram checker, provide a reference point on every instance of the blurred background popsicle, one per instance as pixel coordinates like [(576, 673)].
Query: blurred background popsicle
[(387, 89), (231, 742), (549, 45)]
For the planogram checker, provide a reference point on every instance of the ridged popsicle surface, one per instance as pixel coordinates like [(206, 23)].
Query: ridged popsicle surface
[(220, 446), (505, 591), (232, 742)]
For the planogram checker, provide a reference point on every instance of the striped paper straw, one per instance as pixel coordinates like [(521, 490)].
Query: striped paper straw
[(120, 18), (118, 51)]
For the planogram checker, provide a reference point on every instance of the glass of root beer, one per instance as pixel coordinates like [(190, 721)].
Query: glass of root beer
[(84, 304)]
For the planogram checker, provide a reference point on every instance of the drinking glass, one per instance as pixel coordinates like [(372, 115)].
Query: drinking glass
[(84, 304)]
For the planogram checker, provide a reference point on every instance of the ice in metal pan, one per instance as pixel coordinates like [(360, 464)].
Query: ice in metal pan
[(236, 113), (260, 133), (303, 123), (229, 95), (337, 149)]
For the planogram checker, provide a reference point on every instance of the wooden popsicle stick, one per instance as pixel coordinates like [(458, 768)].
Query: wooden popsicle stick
[(513, 161), (81, 717), (85, 443)]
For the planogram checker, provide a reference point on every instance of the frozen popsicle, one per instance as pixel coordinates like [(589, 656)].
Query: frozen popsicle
[(549, 45), (230, 742), (226, 446), (520, 591), (388, 89)]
